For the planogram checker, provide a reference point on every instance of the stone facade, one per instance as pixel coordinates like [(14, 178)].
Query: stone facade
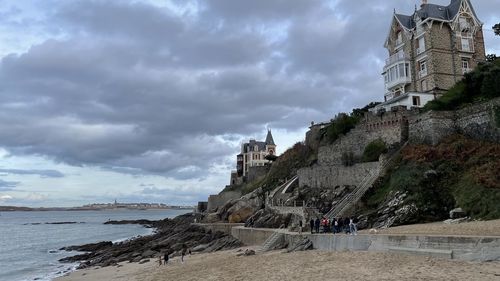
[(430, 51), (257, 172), (328, 176), (477, 121), (217, 201)]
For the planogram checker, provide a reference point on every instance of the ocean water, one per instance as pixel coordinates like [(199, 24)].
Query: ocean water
[(29, 246)]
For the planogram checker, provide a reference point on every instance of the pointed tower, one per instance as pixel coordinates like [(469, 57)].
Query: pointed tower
[(270, 145)]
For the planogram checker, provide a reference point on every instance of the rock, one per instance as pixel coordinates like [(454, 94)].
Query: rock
[(170, 235), (457, 213), (89, 247), (144, 261), (456, 221), (247, 252), (200, 248), (302, 245), (148, 254)]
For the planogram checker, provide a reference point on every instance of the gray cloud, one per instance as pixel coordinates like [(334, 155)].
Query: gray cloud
[(41, 173), (7, 185), (138, 89)]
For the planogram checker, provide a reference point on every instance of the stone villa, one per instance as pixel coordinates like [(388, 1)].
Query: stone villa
[(429, 52), (253, 155)]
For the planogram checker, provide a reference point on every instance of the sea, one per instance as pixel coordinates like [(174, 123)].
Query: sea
[(29, 244)]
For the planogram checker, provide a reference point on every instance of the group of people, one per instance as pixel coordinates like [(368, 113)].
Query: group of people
[(185, 250), (335, 225)]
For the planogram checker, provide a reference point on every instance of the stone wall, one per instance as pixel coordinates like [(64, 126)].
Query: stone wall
[(319, 176), (216, 201), (256, 172), (477, 121), (391, 127)]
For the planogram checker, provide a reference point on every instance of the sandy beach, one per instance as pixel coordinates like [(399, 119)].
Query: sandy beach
[(311, 265)]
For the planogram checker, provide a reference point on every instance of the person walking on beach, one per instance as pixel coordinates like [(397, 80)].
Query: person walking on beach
[(300, 227), (159, 260), (346, 225), (311, 224), (183, 252), (165, 258)]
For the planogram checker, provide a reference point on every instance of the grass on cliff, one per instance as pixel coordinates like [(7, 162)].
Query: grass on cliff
[(482, 84), (459, 172), (343, 123)]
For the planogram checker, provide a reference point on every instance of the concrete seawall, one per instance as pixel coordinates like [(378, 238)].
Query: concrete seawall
[(470, 248)]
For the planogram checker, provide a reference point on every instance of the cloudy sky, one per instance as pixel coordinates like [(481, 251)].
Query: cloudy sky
[(149, 100)]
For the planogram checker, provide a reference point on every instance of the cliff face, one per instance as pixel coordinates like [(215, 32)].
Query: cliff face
[(429, 181)]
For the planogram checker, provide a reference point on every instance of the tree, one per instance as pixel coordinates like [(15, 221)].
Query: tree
[(496, 29)]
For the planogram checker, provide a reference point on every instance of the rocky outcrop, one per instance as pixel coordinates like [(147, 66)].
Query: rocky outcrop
[(302, 245), (239, 210), (170, 236), (268, 218)]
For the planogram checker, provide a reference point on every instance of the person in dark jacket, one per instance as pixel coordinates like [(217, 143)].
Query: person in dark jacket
[(316, 224), (311, 223), (346, 225)]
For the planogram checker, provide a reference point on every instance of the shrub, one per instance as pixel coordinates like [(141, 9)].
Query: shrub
[(373, 150)]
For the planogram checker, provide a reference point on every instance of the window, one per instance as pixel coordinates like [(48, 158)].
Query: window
[(421, 45), (416, 101), (465, 45), (423, 69), (465, 66)]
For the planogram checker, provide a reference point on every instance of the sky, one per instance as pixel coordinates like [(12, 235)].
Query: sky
[(149, 101)]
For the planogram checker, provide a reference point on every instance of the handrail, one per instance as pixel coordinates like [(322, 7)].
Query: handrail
[(359, 191)]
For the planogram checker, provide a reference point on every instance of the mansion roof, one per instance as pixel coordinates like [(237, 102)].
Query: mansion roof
[(437, 12)]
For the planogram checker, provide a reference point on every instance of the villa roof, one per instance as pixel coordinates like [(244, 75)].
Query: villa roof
[(250, 146), (269, 138), (437, 12)]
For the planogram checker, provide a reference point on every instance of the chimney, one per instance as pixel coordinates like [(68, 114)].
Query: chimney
[(424, 2)]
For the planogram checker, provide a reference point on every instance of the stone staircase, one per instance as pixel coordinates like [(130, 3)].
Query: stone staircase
[(352, 198), (275, 241)]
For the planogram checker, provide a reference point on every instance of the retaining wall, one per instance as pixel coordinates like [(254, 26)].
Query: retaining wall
[(216, 201), (470, 248), (319, 176), (478, 121)]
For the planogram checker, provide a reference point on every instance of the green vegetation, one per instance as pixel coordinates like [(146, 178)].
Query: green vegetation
[(343, 123), (373, 150), (479, 85), (459, 172), (496, 29)]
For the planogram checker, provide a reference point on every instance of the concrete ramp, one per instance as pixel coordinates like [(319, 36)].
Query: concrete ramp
[(445, 254)]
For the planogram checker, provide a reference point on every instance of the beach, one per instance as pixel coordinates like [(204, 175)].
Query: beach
[(308, 265), (311, 265)]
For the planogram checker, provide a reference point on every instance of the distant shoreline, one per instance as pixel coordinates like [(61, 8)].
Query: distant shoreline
[(29, 209)]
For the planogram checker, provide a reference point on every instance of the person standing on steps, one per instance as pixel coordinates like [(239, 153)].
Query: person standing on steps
[(300, 227), (311, 223)]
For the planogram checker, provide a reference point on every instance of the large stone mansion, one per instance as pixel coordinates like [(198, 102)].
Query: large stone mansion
[(429, 52)]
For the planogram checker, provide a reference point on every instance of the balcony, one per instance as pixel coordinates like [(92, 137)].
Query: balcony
[(396, 58), (398, 82), (420, 51)]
